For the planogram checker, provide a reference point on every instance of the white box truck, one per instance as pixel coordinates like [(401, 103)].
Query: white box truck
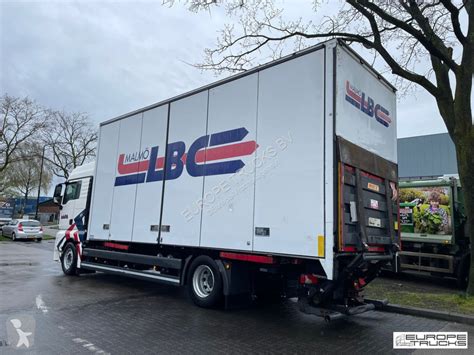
[(280, 178)]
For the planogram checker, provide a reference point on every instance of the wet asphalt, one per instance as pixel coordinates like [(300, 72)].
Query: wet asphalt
[(105, 314)]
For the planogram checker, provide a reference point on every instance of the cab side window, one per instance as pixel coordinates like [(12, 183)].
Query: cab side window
[(73, 190)]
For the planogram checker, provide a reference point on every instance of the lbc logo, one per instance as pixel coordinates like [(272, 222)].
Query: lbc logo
[(148, 166)]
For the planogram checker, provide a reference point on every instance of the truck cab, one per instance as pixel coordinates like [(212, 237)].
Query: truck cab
[(73, 197)]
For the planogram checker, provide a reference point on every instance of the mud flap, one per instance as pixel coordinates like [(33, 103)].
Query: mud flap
[(236, 284)]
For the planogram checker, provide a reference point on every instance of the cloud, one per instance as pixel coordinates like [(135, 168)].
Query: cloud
[(417, 114), (101, 58), (108, 58)]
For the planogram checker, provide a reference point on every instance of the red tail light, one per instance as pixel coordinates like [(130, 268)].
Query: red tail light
[(308, 279), (20, 227)]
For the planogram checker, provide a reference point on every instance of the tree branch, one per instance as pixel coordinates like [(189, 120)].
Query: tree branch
[(441, 53), (454, 19), (392, 63)]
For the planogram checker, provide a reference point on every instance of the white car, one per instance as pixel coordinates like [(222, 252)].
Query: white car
[(4, 220), (23, 229)]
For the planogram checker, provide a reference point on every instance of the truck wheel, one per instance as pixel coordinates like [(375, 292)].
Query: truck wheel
[(462, 275), (204, 282), (69, 259)]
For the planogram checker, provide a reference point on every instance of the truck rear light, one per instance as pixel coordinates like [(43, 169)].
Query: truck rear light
[(308, 279), (359, 283), (20, 227), (377, 248)]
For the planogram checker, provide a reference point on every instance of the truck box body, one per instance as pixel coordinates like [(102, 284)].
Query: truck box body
[(257, 163)]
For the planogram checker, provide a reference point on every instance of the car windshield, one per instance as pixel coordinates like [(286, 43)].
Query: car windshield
[(30, 223)]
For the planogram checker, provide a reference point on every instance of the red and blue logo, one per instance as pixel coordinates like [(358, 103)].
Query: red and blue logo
[(207, 155), (357, 98)]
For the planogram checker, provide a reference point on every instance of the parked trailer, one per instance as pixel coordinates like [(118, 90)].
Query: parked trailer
[(280, 179)]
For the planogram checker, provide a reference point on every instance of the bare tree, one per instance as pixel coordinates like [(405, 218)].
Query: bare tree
[(23, 175), (404, 34), (22, 120), (72, 141)]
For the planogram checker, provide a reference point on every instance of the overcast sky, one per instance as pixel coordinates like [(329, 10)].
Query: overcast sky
[(108, 58)]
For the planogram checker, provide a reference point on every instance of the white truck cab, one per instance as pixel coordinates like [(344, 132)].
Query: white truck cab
[(73, 196)]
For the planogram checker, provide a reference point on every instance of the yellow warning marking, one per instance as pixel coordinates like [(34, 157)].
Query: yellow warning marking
[(396, 225), (321, 246)]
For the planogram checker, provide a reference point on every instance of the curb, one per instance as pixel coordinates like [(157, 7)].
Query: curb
[(420, 312)]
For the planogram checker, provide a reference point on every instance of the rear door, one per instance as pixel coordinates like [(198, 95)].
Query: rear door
[(366, 144), (367, 191)]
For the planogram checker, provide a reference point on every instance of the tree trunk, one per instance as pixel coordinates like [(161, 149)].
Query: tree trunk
[(465, 157)]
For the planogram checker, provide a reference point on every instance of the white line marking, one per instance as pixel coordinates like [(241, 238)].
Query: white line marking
[(90, 346), (41, 305)]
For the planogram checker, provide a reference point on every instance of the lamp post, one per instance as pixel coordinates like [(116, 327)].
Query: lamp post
[(39, 185)]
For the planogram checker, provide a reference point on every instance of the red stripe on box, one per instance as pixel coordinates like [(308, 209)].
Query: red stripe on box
[(261, 259)]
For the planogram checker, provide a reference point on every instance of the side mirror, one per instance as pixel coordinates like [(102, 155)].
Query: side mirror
[(58, 194)]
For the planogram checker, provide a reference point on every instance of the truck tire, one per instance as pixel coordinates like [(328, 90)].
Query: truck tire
[(69, 259), (462, 274), (204, 282)]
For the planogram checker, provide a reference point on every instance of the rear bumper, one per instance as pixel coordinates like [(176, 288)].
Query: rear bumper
[(28, 235)]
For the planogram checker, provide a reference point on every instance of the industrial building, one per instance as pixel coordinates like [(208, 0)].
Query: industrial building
[(426, 156)]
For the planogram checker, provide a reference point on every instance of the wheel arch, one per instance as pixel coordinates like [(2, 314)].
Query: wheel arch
[(188, 260)]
